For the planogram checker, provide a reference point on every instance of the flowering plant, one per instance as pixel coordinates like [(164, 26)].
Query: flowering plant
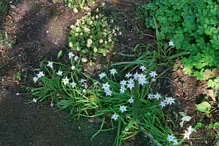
[(78, 4), (93, 35)]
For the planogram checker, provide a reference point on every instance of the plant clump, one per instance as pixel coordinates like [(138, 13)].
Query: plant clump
[(78, 5), (192, 26), (93, 35)]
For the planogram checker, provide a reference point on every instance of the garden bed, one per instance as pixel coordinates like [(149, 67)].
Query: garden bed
[(39, 30)]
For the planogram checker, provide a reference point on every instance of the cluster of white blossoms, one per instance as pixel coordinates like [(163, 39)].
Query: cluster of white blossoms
[(172, 139), (38, 76), (107, 90), (94, 32), (163, 103)]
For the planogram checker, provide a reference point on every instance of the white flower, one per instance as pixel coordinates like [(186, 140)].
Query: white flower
[(84, 91), (175, 142), (123, 83), (40, 74), (188, 132), (171, 138), (130, 85), (72, 67), (34, 100), (122, 90), (73, 84), (126, 129), (113, 71), (142, 79), (82, 81), (143, 68), (50, 64), (170, 100), (115, 117), (17, 93), (153, 74), (76, 58), (35, 79), (108, 92), (190, 129), (102, 75), (151, 96), (136, 75), (131, 100), (171, 43), (153, 80), (163, 104), (106, 86), (128, 75), (70, 55), (59, 73), (123, 108), (157, 96), (65, 80)]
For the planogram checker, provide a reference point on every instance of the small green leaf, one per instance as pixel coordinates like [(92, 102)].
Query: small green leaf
[(204, 107), (59, 54)]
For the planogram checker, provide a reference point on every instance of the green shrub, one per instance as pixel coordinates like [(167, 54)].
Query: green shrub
[(93, 35), (193, 27), (78, 5)]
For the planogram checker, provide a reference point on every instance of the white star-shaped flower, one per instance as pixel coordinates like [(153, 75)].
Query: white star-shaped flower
[(108, 92), (128, 75), (142, 79), (123, 108), (171, 43), (70, 55), (131, 100), (102, 75), (175, 142), (115, 117), (143, 68), (82, 81), (50, 64), (171, 138), (34, 100), (153, 74), (113, 71), (153, 80), (35, 79), (130, 85), (163, 104), (59, 73), (157, 96), (73, 84), (40, 74), (122, 90), (136, 75), (123, 83), (65, 80), (106, 86), (170, 100), (151, 96)]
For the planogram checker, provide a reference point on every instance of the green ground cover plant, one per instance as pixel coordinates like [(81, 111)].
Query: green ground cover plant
[(93, 35), (189, 26), (78, 5)]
